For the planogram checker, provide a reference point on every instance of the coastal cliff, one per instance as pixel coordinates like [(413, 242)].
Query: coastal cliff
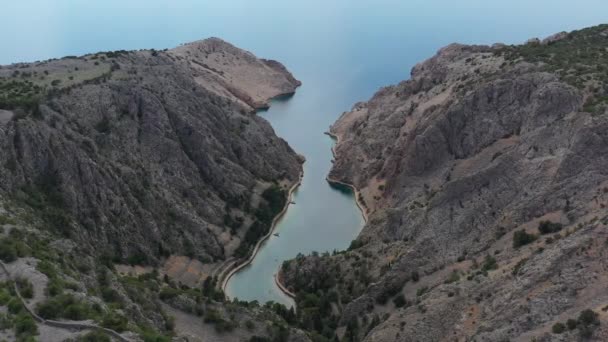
[(121, 168), (145, 154), (484, 178)]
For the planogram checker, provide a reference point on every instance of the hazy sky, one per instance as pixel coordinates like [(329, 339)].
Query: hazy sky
[(39, 29)]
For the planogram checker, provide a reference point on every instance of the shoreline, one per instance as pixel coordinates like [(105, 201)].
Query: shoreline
[(224, 274), (357, 193), (233, 269), (283, 288), (362, 209)]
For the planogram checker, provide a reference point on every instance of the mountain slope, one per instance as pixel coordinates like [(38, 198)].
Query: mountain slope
[(128, 177), (484, 177), (147, 153)]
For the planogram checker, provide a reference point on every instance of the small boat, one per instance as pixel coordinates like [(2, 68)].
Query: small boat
[(276, 234), (292, 202)]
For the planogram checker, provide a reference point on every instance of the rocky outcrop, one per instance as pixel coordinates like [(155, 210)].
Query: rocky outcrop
[(141, 154), (480, 144)]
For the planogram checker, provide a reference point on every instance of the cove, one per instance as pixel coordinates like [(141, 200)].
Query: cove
[(342, 51), (321, 217)]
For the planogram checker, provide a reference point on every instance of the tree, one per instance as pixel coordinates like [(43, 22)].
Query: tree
[(548, 227), (558, 328), (521, 238)]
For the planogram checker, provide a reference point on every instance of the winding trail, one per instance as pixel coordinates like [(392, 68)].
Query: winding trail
[(60, 324)]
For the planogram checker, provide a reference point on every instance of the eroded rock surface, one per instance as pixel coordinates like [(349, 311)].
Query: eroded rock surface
[(144, 154), (482, 142)]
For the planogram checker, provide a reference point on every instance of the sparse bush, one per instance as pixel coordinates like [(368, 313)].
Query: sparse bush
[(421, 291), (168, 292), (454, 277), (489, 264), (110, 295), (8, 252), (558, 328), (518, 266), (548, 227), (521, 238), (25, 288), (399, 301), (115, 321), (571, 324), (66, 306), (25, 325), (94, 336), (588, 317)]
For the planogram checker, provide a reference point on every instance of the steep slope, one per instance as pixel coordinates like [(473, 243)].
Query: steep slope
[(485, 180), (147, 153), (127, 178)]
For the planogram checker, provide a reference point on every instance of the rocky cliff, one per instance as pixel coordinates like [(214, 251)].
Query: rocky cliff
[(484, 177), (128, 178), (143, 154)]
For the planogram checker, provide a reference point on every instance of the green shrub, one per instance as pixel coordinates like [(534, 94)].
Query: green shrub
[(110, 295), (571, 324), (25, 288), (6, 220), (548, 227), (588, 317), (25, 325), (5, 321), (221, 324), (94, 336), (212, 316), (399, 301), (154, 337), (66, 306), (5, 296), (168, 292), (519, 266), (15, 306), (8, 252), (115, 321), (454, 277), (521, 238), (489, 264), (224, 326), (421, 291), (558, 328), (104, 125)]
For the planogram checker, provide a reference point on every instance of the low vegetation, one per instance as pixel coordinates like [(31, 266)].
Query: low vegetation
[(578, 59), (274, 201), (586, 323), (522, 238)]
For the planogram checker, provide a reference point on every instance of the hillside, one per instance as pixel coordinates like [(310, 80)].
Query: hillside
[(485, 180), (128, 178)]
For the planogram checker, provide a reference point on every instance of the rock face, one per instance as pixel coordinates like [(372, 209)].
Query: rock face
[(139, 155), (480, 144)]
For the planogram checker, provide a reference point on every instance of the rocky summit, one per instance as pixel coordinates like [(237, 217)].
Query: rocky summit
[(127, 175), (485, 180)]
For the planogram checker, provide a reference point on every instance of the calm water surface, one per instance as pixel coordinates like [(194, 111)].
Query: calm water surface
[(342, 50)]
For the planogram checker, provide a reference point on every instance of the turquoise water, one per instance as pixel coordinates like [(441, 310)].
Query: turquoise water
[(342, 50)]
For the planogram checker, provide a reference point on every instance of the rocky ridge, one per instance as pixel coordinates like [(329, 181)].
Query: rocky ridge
[(484, 178), (151, 152), (121, 169)]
